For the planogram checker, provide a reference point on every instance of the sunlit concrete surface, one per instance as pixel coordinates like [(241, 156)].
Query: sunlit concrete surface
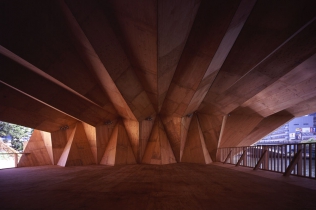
[(174, 186), (4, 163)]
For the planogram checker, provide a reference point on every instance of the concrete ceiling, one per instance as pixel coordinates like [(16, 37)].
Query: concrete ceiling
[(96, 61)]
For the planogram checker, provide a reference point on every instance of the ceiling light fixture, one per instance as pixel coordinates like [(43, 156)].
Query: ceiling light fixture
[(64, 127)]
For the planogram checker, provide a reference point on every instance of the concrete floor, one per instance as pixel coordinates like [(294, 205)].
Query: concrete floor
[(176, 186)]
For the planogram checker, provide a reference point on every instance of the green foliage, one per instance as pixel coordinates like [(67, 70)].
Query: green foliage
[(311, 140), (16, 132)]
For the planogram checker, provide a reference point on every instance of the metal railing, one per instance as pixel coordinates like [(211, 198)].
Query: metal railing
[(9, 157), (294, 159)]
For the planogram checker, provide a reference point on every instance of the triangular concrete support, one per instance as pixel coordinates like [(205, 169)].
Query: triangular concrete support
[(176, 129), (158, 150), (195, 150), (37, 147), (211, 126), (77, 150), (103, 135), (91, 136), (145, 128), (119, 150)]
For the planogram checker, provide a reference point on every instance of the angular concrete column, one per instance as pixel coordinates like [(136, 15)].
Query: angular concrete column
[(195, 150), (119, 149), (158, 150), (177, 130), (77, 151), (37, 146)]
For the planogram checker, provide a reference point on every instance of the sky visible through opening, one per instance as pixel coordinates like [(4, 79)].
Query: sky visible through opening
[(299, 130)]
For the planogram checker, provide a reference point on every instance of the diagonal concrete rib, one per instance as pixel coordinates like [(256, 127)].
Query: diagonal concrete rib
[(137, 32), (195, 149), (267, 125), (34, 98), (38, 71), (198, 53), (303, 108), (153, 38), (93, 61), (260, 37), (50, 94), (238, 125), (100, 33), (20, 109), (290, 54), (22, 66), (247, 63), (295, 87), (175, 20), (227, 43)]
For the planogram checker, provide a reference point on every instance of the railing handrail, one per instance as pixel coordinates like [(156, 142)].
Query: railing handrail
[(267, 145), (295, 158)]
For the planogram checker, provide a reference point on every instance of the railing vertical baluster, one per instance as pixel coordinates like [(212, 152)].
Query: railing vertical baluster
[(223, 153), (282, 152), (271, 156), (261, 152), (246, 158), (253, 156), (295, 168), (274, 158), (314, 146), (304, 159), (268, 159), (258, 154), (299, 163), (278, 158), (233, 156), (292, 150), (310, 160), (249, 155), (266, 162), (247, 163), (285, 164), (297, 159)]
